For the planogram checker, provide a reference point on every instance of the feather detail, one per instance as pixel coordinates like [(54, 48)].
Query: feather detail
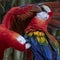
[(54, 42)]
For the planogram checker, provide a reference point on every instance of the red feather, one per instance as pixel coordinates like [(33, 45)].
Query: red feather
[(8, 37)]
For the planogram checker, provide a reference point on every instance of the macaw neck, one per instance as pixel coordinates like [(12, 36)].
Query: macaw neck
[(13, 12), (10, 15), (8, 20), (36, 24)]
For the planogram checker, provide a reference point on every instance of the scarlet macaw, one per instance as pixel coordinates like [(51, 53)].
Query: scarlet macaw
[(23, 15), (9, 37), (44, 45)]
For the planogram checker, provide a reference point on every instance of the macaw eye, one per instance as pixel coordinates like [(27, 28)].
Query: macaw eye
[(43, 15)]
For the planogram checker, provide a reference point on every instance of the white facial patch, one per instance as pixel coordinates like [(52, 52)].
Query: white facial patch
[(46, 8), (43, 15), (21, 39)]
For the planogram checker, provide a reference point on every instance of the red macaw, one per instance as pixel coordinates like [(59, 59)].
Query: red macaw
[(9, 37), (38, 25), (17, 19), (43, 48)]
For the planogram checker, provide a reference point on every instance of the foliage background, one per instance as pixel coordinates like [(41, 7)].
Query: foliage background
[(5, 5)]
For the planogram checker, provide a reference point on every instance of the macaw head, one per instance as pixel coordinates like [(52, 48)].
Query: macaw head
[(44, 17), (55, 22)]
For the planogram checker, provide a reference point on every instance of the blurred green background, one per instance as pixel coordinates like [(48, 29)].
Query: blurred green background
[(5, 5)]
